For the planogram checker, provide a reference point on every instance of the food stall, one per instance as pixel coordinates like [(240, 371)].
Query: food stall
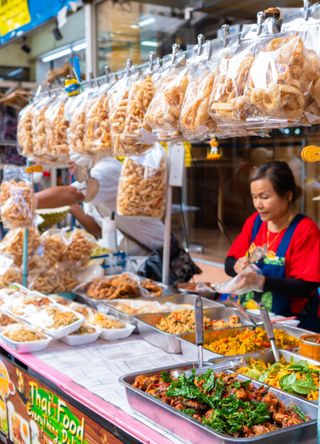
[(118, 363)]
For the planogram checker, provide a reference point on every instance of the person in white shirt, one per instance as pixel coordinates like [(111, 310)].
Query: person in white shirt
[(136, 236)]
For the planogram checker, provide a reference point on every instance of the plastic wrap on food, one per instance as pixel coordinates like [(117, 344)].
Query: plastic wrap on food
[(17, 199), (163, 115), (142, 185)]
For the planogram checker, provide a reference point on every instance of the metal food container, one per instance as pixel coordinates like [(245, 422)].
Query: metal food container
[(195, 432), (171, 343), (266, 356), (174, 299), (188, 346)]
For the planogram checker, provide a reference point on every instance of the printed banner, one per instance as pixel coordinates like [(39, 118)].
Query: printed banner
[(31, 413), (13, 15)]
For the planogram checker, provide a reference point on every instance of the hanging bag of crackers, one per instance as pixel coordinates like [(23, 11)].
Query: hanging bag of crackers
[(24, 130), (41, 150), (163, 115), (142, 185), (195, 121), (56, 128), (137, 136), (17, 199), (97, 132), (75, 114)]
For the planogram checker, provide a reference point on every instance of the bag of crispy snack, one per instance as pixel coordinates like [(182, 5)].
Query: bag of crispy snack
[(12, 274), (54, 246), (12, 243), (195, 121), (24, 130), (163, 114), (17, 199), (56, 129), (75, 113), (142, 185), (44, 280), (41, 151), (80, 247)]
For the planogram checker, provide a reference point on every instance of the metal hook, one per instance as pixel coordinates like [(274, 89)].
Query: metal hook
[(306, 7), (226, 32), (128, 65), (261, 16), (152, 57), (201, 40), (175, 50)]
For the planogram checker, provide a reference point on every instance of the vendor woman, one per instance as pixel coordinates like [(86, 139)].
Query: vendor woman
[(289, 270)]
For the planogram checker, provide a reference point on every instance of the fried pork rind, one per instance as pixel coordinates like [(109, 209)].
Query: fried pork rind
[(56, 127), (80, 247), (121, 286), (24, 131), (44, 280), (163, 114), (12, 275), (151, 288), (54, 245), (142, 185), (12, 243), (17, 199)]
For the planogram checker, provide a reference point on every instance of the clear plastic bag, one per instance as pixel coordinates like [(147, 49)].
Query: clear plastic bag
[(229, 104), (195, 120), (80, 247), (40, 148), (142, 185), (17, 199), (55, 245), (66, 278), (163, 115), (118, 104), (12, 275), (44, 280), (231, 286), (75, 113), (97, 132), (137, 137), (24, 130), (56, 129), (12, 243), (283, 79)]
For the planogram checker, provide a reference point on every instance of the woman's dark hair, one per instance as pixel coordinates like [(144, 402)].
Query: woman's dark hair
[(281, 177)]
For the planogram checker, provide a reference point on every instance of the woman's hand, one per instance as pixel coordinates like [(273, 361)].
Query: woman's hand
[(250, 280), (241, 264)]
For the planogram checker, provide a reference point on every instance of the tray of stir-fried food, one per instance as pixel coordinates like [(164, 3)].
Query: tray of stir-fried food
[(164, 329), (219, 407), (240, 341)]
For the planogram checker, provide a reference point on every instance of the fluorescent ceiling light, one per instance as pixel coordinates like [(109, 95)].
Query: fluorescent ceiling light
[(56, 55), (150, 43), (134, 26), (147, 21), (79, 47)]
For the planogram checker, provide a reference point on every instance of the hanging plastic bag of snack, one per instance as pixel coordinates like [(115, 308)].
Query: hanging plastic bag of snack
[(80, 247), (137, 137), (12, 243), (17, 199), (54, 245), (12, 275), (195, 121), (118, 103), (56, 129), (97, 133), (163, 114), (142, 185), (229, 104), (24, 130), (40, 149), (75, 113)]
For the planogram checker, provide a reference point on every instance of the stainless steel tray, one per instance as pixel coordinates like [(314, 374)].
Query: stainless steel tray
[(188, 347), (174, 298), (267, 356), (81, 292), (195, 432), (171, 343)]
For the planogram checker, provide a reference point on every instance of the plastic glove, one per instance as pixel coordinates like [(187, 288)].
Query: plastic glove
[(250, 279)]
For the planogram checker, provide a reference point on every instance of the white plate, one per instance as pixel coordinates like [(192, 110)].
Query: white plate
[(26, 347), (111, 334), (83, 339)]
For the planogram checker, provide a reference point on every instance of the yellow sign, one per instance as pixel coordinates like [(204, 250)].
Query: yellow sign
[(13, 15)]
